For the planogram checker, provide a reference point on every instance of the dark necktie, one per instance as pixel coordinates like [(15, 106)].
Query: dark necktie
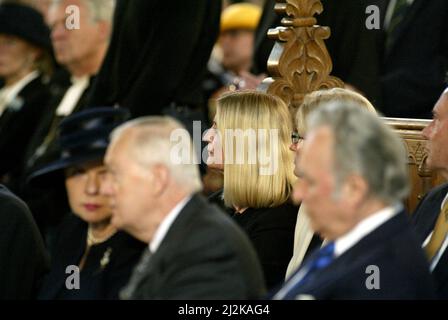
[(400, 10), (127, 293), (321, 260)]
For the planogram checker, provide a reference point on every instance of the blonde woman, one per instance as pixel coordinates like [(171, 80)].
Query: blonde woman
[(249, 142), (305, 240)]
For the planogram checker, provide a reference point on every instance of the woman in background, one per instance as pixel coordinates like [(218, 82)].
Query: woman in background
[(88, 247), (249, 141), (25, 65), (305, 240)]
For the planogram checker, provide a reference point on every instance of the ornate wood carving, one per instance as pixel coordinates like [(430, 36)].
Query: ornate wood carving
[(299, 62), (422, 179)]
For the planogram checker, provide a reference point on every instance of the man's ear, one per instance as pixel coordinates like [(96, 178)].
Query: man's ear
[(355, 190), (161, 177), (105, 30)]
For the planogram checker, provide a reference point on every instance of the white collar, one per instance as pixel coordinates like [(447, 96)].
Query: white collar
[(163, 228), (444, 201), (363, 228), (10, 92)]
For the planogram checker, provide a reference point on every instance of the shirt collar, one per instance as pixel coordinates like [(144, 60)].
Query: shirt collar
[(11, 92), (163, 228), (363, 228)]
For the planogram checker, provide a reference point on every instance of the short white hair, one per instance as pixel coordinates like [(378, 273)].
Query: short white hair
[(153, 144), (364, 145)]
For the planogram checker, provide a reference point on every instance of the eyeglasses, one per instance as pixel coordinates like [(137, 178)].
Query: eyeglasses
[(296, 137)]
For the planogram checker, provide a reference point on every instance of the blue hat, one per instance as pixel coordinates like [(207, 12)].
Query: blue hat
[(26, 23), (83, 137)]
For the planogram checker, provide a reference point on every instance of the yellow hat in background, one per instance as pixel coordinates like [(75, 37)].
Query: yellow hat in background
[(240, 16)]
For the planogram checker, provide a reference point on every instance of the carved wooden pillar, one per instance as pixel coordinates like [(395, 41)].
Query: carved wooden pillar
[(299, 62)]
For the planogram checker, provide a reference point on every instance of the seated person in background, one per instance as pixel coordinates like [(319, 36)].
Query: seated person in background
[(194, 250), (86, 238), (353, 177), (23, 259), (249, 141), (305, 240), (431, 216), (25, 65), (235, 46), (81, 52)]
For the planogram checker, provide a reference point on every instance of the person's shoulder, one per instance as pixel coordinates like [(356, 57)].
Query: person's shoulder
[(278, 215), (12, 207), (439, 191)]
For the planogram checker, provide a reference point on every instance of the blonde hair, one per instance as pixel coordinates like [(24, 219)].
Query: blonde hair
[(258, 112), (318, 98)]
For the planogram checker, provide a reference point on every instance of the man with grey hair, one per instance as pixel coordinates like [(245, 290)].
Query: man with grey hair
[(431, 216), (194, 250), (80, 33), (352, 178)]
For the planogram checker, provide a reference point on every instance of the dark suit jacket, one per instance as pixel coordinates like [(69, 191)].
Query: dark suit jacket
[(17, 127), (415, 69), (394, 249), (158, 54), (204, 255), (271, 231), (23, 259), (96, 281), (424, 218)]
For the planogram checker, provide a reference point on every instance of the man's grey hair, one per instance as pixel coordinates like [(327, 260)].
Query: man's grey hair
[(153, 144), (100, 10), (364, 145)]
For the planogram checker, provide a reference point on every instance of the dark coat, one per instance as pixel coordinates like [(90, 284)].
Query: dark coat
[(414, 70), (392, 247), (204, 255), (49, 204), (424, 218), (158, 54), (23, 259), (271, 231), (17, 127), (98, 279)]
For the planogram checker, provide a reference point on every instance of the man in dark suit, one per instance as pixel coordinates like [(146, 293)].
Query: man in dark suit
[(353, 175), (415, 60), (195, 250), (431, 216), (23, 259)]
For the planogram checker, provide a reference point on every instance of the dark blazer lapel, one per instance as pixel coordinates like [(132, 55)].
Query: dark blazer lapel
[(357, 255), (407, 21), (25, 94), (174, 237), (426, 214)]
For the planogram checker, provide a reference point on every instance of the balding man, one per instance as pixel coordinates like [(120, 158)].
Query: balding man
[(353, 175), (194, 250), (431, 216)]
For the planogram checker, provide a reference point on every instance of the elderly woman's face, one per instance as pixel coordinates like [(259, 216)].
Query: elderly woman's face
[(17, 57), (215, 158), (83, 183)]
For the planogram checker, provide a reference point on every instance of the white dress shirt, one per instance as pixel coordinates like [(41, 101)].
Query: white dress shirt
[(9, 93), (162, 230), (363, 228), (72, 96)]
